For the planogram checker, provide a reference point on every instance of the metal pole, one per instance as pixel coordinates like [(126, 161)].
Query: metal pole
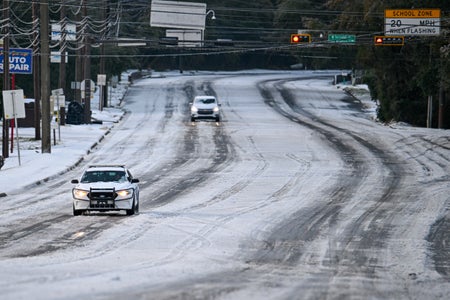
[(17, 138), (100, 102), (59, 117), (109, 93), (17, 127), (441, 105), (430, 111), (14, 121)]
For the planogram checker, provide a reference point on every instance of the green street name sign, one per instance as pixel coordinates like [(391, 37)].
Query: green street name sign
[(342, 38)]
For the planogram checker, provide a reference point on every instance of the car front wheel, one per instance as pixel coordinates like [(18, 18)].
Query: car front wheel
[(77, 212), (132, 211)]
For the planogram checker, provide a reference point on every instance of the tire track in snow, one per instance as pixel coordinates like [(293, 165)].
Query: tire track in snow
[(289, 241), (62, 240)]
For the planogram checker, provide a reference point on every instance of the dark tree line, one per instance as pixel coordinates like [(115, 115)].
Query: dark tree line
[(400, 78)]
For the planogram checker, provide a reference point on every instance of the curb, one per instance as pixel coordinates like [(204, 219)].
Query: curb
[(77, 163)]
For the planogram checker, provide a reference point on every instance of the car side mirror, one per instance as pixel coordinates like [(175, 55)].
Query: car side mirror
[(134, 180), (75, 181)]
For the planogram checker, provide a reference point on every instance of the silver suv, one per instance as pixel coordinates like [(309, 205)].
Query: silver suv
[(106, 188), (205, 107)]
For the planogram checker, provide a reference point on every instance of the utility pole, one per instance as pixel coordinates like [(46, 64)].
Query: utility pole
[(78, 59), (6, 82), (105, 16), (87, 69), (36, 77), (62, 48), (45, 77)]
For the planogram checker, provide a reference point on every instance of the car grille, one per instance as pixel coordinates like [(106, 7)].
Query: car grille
[(102, 198), (205, 111)]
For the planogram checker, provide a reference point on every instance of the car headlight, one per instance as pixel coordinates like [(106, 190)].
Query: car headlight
[(80, 194), (124, 194), (216, 109), (194, 109)]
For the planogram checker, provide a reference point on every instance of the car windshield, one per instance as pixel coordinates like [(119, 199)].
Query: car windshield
[(103, 176), (206, 100)]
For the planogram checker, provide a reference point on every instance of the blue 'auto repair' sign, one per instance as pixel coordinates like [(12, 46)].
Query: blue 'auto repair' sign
[(20, 61)]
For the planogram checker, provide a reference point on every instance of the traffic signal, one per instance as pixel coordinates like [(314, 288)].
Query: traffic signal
[(389, 40), (297, 38)]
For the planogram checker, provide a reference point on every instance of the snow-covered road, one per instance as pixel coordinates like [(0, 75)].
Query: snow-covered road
[(297, 194)]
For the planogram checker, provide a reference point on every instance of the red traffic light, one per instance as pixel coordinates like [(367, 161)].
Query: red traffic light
[(297, 38), (389, 40)]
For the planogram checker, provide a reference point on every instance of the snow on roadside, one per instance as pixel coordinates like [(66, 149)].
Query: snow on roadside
[(362, 93), (78, 140), (69, 145)]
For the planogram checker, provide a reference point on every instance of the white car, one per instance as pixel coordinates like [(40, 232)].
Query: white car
[(205, 107), (106, 188)]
